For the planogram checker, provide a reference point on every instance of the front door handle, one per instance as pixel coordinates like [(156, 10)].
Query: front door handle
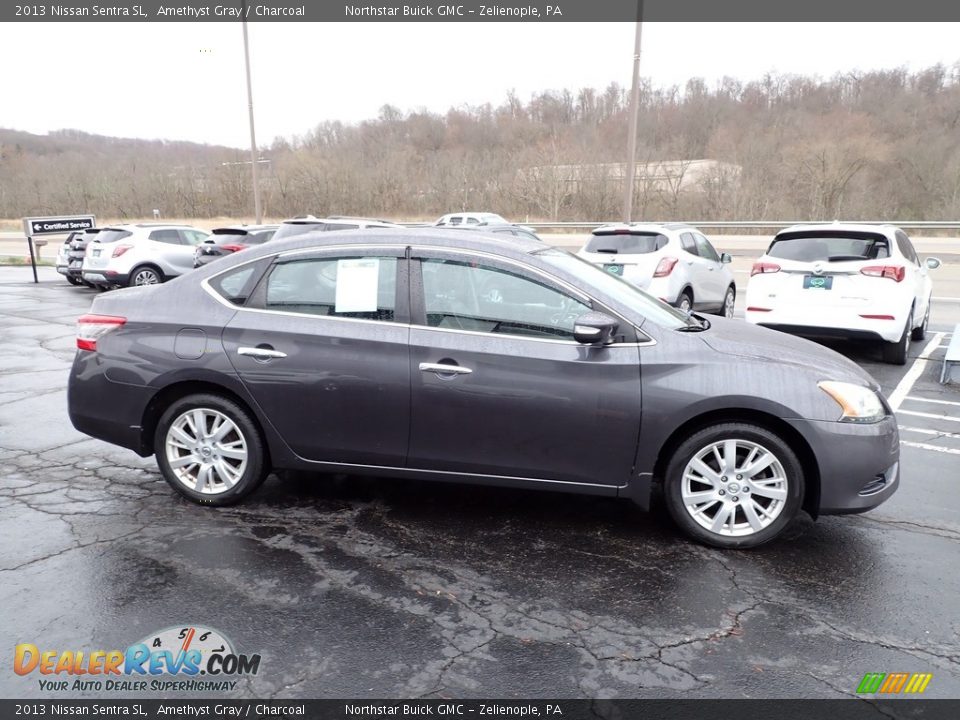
[(444, 369), (261, 353)]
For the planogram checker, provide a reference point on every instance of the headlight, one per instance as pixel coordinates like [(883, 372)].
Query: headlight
[(858, 403)]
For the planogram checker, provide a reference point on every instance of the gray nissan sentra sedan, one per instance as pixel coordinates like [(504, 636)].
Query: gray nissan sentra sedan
[(464, 357)]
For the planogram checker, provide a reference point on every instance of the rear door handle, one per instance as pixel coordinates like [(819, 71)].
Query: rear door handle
[(260, 353), (444, 369)]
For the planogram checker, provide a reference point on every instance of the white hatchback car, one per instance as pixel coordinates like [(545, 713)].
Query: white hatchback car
[(142, 254), (671, 261), (844, 280)]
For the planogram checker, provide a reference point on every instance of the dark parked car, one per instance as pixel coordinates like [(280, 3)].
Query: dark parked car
[(226, 240), (78, 250), (445, 355)]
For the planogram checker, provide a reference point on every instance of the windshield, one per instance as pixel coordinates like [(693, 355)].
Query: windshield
[(829, 247), (619, 290), (632, 244), (291, 229), (240, 238), (112, 235)]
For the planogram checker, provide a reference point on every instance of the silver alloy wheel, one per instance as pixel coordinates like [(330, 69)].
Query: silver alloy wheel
[(734, 487), (146, 276), (729, 302), (206, 451), (684, 305)]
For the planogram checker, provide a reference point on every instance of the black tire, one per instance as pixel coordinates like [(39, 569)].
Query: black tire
[(685, 297), (89, 284), (772, 443), (919, 334), (255, 468), (72, 280), (896, 353), (731, 296), (145, 275)]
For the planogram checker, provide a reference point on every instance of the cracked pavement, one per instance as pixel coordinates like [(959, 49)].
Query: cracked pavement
[(354, 587)]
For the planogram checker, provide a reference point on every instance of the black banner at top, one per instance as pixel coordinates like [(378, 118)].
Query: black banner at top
[(485, 11)]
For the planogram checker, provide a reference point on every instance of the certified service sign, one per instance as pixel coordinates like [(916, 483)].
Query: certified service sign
[(57, 225)]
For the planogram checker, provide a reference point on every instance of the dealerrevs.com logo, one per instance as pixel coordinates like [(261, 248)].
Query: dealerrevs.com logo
[(185, 658)]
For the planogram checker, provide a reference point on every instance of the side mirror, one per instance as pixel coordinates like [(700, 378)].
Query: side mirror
[(594, 328), (933, 263), (726, 258)]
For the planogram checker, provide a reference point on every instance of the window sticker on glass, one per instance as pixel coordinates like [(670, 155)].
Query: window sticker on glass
[(357, 281)]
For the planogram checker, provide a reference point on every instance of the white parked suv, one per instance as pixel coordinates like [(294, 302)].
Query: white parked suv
[(143, 254), (844, 280), (671, 261)]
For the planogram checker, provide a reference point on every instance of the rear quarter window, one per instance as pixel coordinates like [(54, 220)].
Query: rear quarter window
[(235, 285)]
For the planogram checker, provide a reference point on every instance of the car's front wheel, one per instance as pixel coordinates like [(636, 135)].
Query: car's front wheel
[(729, 303), (734, 485), (920, 333), (210, 450)]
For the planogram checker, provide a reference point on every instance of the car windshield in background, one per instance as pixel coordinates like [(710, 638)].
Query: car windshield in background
[(110, 235), (291, 229), (829, 247), (231, 238), (619, 289), (633, 244)]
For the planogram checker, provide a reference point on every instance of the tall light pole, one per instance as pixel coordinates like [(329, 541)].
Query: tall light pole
[(253, 135), (634, 109)]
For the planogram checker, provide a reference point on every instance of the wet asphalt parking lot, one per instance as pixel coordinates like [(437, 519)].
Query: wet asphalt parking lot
[(359, 588)]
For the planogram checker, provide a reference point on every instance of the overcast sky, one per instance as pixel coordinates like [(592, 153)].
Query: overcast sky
[(185, 81)]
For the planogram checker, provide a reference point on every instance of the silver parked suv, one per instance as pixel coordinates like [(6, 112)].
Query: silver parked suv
[(142, 254)]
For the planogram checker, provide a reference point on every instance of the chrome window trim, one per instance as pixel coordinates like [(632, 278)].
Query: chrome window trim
[(205, 284)]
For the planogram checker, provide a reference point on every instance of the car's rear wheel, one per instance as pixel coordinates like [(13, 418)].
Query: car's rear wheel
[(920, 333), (209, 449), (685, 302), (734, 485), (145, 276), (896, 353)]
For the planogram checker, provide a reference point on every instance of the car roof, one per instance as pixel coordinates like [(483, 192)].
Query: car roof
[(243, 228), (498, 244), (638, 227), (150, 226), (881, 228)]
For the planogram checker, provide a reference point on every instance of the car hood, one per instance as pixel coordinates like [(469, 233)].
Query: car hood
[(742, 339)]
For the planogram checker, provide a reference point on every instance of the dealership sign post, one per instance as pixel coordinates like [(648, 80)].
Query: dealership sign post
[(53, 226)]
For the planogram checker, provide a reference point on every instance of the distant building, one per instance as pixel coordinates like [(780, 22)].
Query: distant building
[(660, 176)]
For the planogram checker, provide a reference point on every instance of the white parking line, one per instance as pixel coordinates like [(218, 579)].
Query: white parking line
[(925, 446), (916, 370), (931, 400), (928, 431), (928, 415)]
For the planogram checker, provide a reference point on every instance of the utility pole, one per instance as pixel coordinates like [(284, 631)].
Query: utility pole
[(634, 109), (253, 135)]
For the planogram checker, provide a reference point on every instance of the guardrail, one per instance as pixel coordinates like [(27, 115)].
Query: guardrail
[(760, 224)]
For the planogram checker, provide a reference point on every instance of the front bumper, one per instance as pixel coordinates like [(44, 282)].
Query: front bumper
[(859, 464)]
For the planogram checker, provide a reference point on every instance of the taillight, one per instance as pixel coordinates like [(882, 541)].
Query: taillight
[(91, 328), (234, 248), (665, 267), (894, 272), (120, 250), (754, 308), (762, 268)]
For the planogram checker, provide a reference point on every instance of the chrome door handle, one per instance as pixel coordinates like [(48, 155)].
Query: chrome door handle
[(443, 368), (260, 353)]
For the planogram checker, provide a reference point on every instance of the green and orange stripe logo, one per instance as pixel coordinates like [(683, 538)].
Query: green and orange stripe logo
[(893, 683)]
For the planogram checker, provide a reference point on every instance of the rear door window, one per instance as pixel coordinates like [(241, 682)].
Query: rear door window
[(705, 249), (363, 288), (688, 243), (171, 237)]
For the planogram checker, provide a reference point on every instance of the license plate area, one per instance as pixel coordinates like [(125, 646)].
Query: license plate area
[(614, 269), (817, 282), (96, 253)]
